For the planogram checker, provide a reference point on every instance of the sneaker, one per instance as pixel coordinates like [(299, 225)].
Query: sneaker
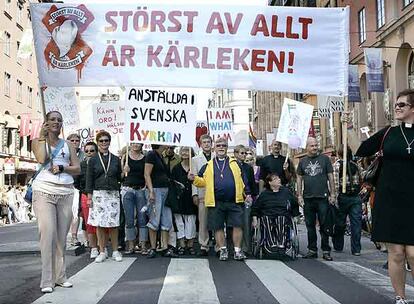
[(144, 251), (224, 254), (94, 253), (399, 300), (100, 258), (239, 256), (327, 256), (356, 253), (407, 267), (65, 284), (47, 290), (310, 255), (117, 256), (75, 242), (151, 254)]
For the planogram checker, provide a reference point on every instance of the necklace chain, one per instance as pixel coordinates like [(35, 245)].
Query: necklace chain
[(406, 140), (222, 168)]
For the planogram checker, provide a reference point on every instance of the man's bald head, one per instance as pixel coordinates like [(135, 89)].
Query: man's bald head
[(312, 146)]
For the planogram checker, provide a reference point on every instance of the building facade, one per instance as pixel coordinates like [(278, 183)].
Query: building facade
[(18, 92), (388, 25)]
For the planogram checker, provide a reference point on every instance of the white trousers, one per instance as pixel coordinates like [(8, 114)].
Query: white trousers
[(186, 226)]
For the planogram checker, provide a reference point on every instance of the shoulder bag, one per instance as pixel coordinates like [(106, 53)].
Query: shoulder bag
[(371, 174), (29, 192)]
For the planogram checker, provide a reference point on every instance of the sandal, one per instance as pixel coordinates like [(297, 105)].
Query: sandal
[(191, 251), (181, 251)]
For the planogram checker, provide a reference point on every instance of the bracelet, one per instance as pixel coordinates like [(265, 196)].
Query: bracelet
[(61, 168)]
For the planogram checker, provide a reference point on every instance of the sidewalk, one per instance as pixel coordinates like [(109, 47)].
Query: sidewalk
[(18, 239)]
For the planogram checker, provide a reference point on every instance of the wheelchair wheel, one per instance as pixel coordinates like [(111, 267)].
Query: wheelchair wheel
[(256, 240)]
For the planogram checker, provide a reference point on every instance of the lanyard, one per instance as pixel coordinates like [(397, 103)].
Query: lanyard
[(103, 165)]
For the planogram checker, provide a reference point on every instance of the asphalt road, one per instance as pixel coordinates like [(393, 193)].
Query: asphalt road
[(347, 279)]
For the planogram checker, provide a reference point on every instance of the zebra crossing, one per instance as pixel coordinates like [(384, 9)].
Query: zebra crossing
[(209, 281)]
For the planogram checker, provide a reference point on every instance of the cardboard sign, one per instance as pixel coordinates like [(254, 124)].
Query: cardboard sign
[(9, 166), (109, 116), (64, 101), (294, 123), (220, 124), (159, 116)]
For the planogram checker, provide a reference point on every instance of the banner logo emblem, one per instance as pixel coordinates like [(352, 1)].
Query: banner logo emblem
[(67, 49)]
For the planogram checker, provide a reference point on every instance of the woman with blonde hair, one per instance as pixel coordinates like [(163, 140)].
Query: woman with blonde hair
[(52, 199)]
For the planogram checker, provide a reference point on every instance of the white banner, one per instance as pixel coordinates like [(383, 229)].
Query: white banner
[(160, 116), (64, 101), (109, 116), (294, 123), (288, 49), (220, 124)]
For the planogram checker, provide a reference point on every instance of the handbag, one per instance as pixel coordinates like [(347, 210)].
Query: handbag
[(28, 197), (371, 174), (330, 220), (175, 192)]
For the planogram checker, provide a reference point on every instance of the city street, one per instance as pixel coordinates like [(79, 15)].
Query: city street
[(347, 279)]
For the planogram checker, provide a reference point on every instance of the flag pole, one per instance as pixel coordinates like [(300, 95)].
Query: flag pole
[(345, 145), (190, 159), (42, 97)]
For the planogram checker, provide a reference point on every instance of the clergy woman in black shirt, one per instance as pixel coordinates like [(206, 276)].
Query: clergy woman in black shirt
[(103, 177), (394, 195)]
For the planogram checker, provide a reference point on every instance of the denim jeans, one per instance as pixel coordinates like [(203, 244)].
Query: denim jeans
[(351, 206), (133, 201), (316, 207), (159, 214)]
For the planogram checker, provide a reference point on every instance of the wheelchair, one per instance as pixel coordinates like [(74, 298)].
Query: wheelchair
[(275, 236)]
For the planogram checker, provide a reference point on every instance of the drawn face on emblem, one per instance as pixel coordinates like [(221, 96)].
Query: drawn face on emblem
[(64, 36)]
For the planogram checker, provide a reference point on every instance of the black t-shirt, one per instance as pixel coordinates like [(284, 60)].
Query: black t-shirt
[(314, 171), (160, 172), (271, 164), (135, 176)]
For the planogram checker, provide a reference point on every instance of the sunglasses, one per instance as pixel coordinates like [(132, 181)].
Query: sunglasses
[(74, 140), (103, 140), (89, 151), (221, 146), (402, 104), (241, 153)]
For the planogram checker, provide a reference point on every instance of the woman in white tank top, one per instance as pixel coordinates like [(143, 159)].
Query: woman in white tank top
[(52, 199)]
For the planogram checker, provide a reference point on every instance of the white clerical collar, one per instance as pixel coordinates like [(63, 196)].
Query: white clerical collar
[(408, 125)]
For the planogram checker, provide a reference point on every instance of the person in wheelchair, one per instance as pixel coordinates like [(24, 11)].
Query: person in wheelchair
[(274, 208), (275, 200)]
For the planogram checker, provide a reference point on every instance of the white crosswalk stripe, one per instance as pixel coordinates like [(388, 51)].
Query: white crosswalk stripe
[(286, 284), (192, 281), (90, 284), (188, 281)]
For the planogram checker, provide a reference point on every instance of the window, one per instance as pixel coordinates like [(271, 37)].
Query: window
[(19, 13), (6, 41), (30, 63), (406, 2), (7, 78), (18, 59), (250, 114), (249, 94), (29, 97), (362, 28), (19, 91), (380, 13)]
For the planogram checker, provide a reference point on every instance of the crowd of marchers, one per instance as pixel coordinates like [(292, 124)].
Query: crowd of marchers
[(161, 202)]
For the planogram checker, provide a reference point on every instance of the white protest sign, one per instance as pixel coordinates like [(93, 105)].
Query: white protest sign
[(109, 116), (166, 117), (292, 49), (64, 101), (220, 124), (329, 104), (294, 123)]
